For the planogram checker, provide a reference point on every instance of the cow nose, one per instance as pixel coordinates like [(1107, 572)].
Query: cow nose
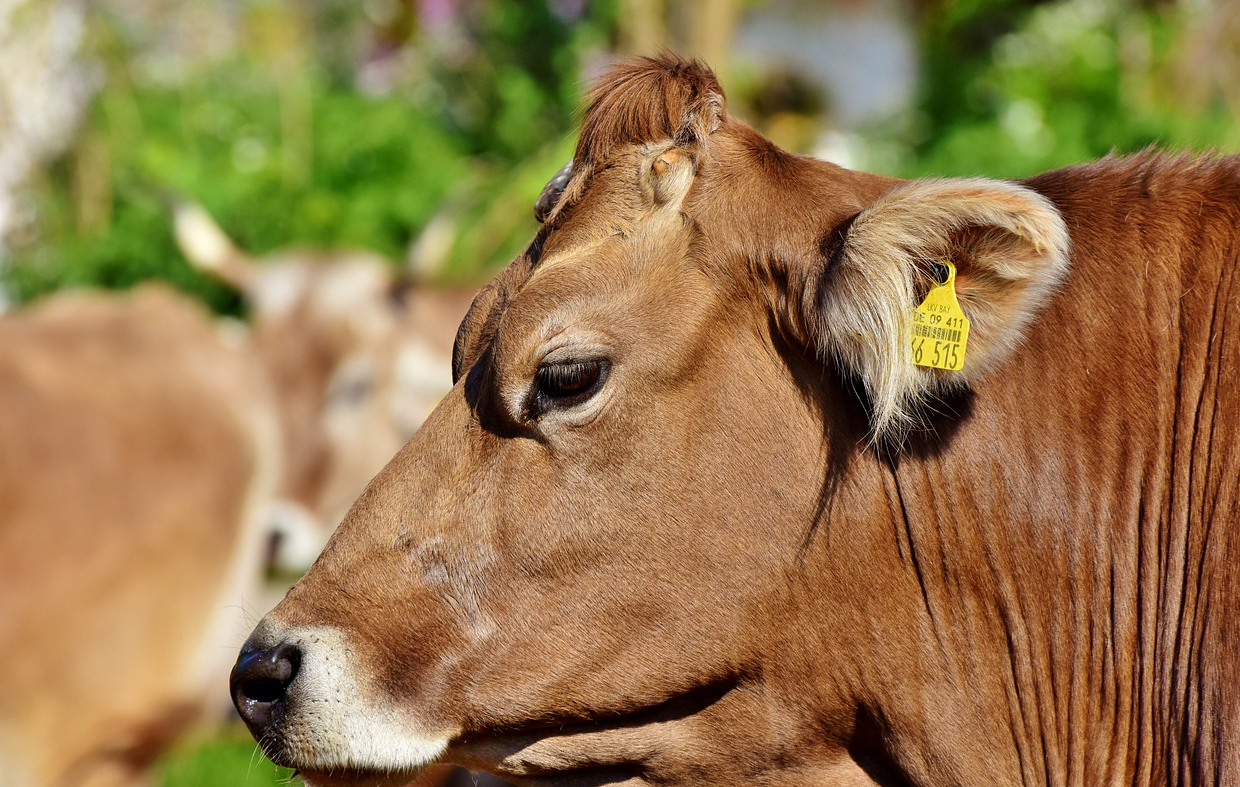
[(259, 682)]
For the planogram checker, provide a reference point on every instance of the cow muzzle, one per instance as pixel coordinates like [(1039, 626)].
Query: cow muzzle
[(311, 703)]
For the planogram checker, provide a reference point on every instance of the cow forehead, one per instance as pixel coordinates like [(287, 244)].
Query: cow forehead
[(618, 284), (598, 237), (612, 229)]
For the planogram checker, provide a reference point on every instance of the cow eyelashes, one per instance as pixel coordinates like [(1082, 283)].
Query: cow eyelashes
[(566, 383)]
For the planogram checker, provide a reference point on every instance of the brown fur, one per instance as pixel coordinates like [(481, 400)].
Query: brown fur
[(705, 572), (356, 359)]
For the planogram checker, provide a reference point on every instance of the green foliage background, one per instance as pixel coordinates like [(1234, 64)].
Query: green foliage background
[(282, 147), (1009, 89)]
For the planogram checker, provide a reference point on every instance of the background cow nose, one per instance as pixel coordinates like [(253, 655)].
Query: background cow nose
[(259, 681)]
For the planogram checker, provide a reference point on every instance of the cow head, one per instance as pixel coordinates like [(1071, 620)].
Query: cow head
[(612, 552)]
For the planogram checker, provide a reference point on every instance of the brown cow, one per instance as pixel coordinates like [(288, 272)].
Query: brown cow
[(136, 449), (693, 515), (356, 357)]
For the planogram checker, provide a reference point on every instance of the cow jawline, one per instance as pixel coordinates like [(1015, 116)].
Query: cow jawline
[(358, 778), (612, 748)]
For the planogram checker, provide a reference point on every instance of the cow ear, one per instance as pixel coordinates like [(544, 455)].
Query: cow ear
[(1010, 248), (666, 175)]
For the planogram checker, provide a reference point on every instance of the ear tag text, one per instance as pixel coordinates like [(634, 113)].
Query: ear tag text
[(940, 329)]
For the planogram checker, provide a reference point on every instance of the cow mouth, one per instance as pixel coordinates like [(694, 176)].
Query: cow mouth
[(615, 748), (358, 778), (610, 749)]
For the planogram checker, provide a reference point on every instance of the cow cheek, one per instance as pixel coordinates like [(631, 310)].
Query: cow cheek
[(609, 605)]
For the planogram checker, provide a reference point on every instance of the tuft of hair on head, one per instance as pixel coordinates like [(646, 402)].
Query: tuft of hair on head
[(635, 102), (649, 99)]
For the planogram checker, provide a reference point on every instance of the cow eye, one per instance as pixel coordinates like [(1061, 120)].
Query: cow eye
[(567, 383)]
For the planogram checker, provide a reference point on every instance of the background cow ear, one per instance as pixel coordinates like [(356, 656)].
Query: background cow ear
[(209, 249), (1010, 248)]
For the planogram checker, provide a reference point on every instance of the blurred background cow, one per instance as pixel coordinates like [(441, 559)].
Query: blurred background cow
[(138, 451), (157, 464), (355, 356), (171, 456)]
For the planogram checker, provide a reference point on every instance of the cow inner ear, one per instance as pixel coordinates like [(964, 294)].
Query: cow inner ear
[(667, 173), (1010, 248)]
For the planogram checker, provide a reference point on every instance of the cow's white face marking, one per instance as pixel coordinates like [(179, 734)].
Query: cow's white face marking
[(336, 721), (422, 378), (297, 533), (347, 286), (643, 539)]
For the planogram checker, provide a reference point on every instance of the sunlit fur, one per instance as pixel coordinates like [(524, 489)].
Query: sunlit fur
[(1009, 243)]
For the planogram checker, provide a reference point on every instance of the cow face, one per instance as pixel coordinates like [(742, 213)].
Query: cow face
[(585, 470), (585, 565)]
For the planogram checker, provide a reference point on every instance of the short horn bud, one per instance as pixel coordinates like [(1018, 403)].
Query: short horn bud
[(551, 193)]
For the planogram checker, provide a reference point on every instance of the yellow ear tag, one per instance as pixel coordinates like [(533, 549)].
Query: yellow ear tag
[(940, 329)]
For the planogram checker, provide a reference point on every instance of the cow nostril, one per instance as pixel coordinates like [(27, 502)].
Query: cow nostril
[(265, 690), (260, 681)]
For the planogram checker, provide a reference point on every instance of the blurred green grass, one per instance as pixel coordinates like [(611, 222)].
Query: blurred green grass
[(214, 758)]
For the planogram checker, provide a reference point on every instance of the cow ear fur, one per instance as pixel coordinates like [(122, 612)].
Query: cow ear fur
[(1010, 248)]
